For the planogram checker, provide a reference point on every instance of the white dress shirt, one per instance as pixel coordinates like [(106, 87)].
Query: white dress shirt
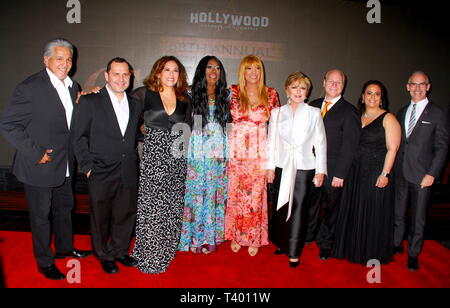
[(333, 102), (122, 110), (420, 107), (292, 138), (66, 99)]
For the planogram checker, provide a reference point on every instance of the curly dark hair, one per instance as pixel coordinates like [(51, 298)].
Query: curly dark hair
[(384, 96), (200, 94)]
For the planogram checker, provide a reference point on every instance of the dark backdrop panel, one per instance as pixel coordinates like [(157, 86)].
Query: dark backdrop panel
[(308, 35)]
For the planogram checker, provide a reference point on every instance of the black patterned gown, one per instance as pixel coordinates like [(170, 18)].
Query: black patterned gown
[(161, 186)]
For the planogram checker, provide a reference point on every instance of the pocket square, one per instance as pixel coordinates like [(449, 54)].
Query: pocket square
[(425, 122)]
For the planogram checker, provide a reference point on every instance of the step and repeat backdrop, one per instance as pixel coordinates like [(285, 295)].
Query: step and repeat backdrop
[(385, 40)]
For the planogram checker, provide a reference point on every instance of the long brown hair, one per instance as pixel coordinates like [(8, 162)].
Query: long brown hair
[(153, 84), (262, 89)]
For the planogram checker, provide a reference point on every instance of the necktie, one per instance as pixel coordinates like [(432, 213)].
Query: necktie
[(412, 121), (325, 109)]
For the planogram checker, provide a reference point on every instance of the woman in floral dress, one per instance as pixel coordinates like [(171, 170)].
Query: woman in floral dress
[(206, 184), (246, 222)]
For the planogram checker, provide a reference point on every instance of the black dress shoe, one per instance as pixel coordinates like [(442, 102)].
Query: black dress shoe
[(127, 261), (413, 264), (109, 267), (51, 272), (325, 254), (75, 253), (398, 250)]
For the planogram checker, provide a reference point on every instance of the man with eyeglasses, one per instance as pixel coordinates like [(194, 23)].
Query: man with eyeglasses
[(423, 153)]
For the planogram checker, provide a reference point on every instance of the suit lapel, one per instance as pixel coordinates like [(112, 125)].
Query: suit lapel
[(317, 103), (73, 94), (132, 108), (422, 118), (54, 98), (402, 119), (335, 108), (109, 109)]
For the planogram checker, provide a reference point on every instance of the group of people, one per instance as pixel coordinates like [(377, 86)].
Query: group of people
[(200, 181)]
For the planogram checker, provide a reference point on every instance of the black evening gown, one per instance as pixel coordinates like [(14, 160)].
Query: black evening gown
[(365, 226), (161, 187)]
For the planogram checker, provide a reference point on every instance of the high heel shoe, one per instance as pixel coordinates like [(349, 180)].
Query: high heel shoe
[(294, 264)]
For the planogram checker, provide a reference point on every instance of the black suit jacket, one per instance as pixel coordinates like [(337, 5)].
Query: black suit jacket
[(34, 121), (425, 151), (98, 142), (343, 129)]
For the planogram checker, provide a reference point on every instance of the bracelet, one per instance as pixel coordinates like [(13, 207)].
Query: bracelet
[(386, 174)]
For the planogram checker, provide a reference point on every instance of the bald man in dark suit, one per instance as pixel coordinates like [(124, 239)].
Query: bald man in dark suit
[(422, 156)]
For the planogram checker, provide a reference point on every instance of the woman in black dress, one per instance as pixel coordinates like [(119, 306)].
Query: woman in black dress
[(366, 220), (163, 167)]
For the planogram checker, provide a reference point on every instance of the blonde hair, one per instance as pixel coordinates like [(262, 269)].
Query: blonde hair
[(301, 78), (262, 90)]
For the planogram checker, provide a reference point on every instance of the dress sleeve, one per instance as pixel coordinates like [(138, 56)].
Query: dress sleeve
[(274, 100)]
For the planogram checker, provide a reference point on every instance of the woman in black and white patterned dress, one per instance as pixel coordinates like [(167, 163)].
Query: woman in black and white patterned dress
[(163, 168)]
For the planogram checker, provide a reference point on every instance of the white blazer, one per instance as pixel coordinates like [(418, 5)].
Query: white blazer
[(291, 140)]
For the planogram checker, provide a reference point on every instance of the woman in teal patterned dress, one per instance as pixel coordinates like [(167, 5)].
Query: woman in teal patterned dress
[(206, 184)]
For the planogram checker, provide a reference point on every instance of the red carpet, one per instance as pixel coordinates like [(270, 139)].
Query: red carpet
[(225, 269)]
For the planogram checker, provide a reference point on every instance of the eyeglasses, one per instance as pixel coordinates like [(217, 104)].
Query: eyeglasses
[(414, 85)]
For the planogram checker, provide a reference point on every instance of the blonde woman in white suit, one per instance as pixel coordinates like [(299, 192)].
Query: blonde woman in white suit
[(297, 162)]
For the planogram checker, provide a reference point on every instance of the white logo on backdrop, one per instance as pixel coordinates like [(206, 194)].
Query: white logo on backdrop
[(374, 275), (229, 21), (74, 14), (374, 15)]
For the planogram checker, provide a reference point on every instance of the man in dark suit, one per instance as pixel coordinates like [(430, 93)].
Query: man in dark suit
[(37, 122), (343, 126), (105, 147), (422, 155)]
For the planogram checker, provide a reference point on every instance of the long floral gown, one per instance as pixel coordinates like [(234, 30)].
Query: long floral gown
[(206, 189), (246, 219)]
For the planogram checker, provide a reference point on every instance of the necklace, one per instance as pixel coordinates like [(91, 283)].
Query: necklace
[(368, 116)]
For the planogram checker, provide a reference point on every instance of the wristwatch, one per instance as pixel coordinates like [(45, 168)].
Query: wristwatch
[(388, 175)]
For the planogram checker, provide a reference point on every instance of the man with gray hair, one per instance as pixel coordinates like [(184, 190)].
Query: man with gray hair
[(37, 122)]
